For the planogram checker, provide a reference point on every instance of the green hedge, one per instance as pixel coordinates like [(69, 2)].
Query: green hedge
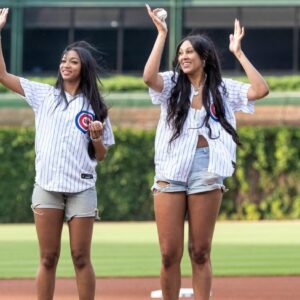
[(265, 185), (280, 83), (122, 83), (118, 83)]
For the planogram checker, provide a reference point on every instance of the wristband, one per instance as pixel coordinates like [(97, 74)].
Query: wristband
[(96, 139)]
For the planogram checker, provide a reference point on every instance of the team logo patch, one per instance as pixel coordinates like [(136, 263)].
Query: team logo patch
[(212, 111), (83, 119)]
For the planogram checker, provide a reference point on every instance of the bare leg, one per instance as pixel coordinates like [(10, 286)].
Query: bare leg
[(48, 224), (203, 209), (81, 230), (170, 209)]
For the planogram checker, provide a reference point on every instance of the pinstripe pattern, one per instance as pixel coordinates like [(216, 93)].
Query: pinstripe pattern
[(61, 147), (173, 161)]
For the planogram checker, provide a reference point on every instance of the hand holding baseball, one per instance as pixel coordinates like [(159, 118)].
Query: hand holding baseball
[(158, 16), (162, 14), (96, 129)]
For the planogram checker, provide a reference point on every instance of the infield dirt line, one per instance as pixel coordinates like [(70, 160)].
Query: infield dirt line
[(224, 288)]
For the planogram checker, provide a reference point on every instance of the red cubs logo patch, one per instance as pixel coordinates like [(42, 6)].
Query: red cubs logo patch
[(83, 119)]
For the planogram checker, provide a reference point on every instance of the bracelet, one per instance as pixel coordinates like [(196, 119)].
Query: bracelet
[(96, 139)]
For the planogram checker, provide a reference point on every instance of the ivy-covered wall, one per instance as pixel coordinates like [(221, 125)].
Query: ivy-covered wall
[(266, 184)]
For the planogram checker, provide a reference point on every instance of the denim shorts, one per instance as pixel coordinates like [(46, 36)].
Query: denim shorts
[(79, 205), (199, 179)]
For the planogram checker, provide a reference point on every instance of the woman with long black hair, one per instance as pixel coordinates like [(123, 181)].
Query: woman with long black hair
[(195, 147), (73, 132)]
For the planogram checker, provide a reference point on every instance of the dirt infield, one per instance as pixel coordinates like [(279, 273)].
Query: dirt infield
[(224, 288)]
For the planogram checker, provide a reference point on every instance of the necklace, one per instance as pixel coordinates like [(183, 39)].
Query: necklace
[(196, 90)]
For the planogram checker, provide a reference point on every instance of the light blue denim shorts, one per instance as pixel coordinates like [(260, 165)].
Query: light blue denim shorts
[(78, 205), (199, 179)]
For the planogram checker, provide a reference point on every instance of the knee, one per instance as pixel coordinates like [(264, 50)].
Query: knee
[(49, 260), (80, 260), (199, 255), (170, 258)]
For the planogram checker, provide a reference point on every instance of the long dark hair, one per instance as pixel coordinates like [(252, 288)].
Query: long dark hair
[(179, 102), (89, 84)]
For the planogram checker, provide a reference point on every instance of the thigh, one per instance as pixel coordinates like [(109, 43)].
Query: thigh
[(48, 216), (49, 223), (80, 231), (170, 210), (203, 210)]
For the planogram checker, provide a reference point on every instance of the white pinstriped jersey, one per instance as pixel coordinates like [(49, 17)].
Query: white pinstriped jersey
[(173, 161), (62, 162)]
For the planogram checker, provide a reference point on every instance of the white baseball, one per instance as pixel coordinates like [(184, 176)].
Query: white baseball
[(98, 123), (162, 14)]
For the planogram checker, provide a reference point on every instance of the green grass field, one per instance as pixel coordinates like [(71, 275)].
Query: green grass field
[(141, 99), (131, 249)]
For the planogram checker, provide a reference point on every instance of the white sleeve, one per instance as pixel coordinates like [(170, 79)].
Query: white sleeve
[(237, 96), (35, 92), (108, 135), (164, 95)]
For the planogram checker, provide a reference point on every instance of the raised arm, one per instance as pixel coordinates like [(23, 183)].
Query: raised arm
[(11, 81), (259, 88), (151, 76)]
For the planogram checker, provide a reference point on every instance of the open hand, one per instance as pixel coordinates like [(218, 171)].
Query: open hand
[(236, 37), (160, 25), (3, 17)]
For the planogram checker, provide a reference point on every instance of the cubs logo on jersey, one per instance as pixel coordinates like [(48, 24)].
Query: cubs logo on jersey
[(83, 119)]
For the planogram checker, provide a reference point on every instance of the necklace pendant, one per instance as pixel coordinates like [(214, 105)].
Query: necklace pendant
[(196, 93)]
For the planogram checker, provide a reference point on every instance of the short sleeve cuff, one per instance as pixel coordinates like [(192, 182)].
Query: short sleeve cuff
[(108, 135), (247, 105), (163, 96), (35, 92), (25, 86)]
